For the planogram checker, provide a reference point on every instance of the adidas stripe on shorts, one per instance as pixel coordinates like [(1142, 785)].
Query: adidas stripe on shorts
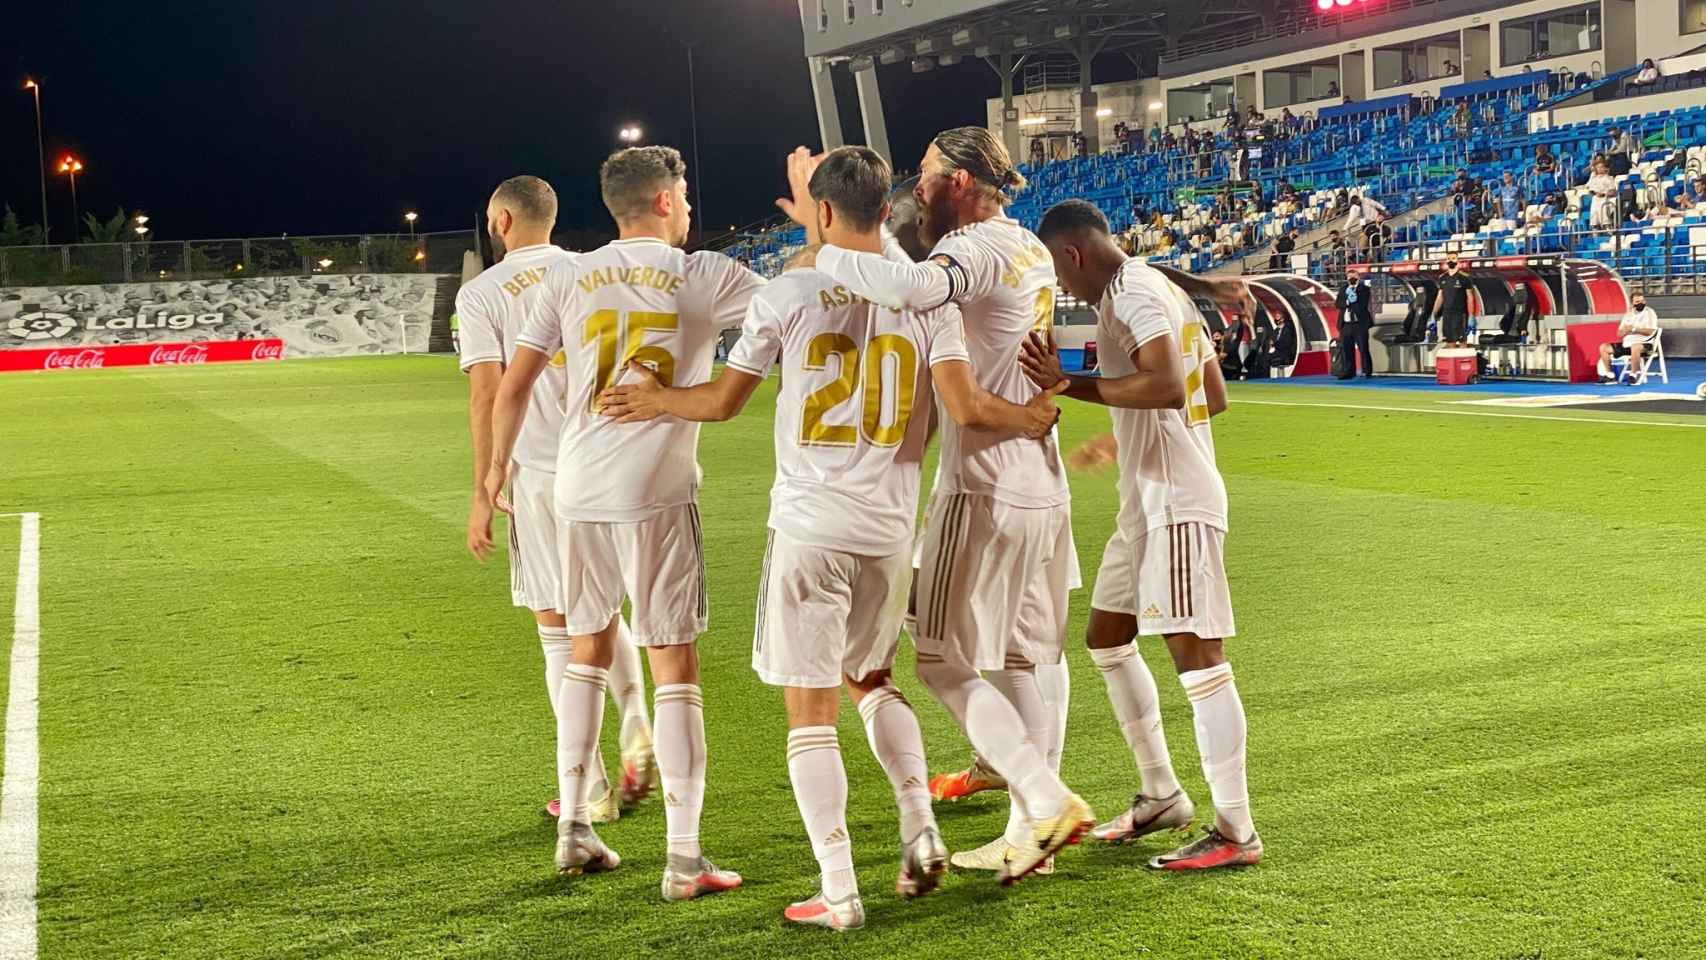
[(1171, 578)]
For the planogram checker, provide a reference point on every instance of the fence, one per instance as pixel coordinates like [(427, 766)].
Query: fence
[(1653, 260), (101, 263)]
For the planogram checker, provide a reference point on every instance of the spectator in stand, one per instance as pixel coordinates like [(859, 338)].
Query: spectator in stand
[(1451, 69), (1638, 331), (1038, 156), (1364, 210), (1630, 146), (1647, 76), (1693, 197), (1510, 198), (1283, 248), (1169, 141), (1332, 89), (1463, 193), (1486, 74), (1603, 187), (1356, 319), (1460, 121), (1377, 237), (1451, 305), (1253, 117), (1544, 163)]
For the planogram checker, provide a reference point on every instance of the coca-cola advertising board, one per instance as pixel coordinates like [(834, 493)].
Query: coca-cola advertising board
[(141, 355), (312, 316)]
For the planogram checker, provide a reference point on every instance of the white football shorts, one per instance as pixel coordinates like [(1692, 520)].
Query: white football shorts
[(535, 566), (1172, 579), (823, 613), (656, 564), (994, 580)]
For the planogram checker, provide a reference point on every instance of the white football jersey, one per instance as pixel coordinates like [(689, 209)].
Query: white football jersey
[(1166, 457), (1003, 279), (644, 300), (492, 308), (853, 412)]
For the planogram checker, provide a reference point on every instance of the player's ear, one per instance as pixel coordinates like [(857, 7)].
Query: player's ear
[(825, 215), (663, 203), (888, 208)]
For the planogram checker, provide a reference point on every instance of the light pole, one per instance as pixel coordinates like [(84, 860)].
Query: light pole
[(41, 153), (71, 167), (411, 216), (693, 113), (630, 134)]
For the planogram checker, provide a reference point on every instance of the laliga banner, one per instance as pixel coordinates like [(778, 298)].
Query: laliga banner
[(313, 316), (141, 355)]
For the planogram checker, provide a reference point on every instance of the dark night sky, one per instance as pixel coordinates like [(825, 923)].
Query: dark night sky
[(251, 118)]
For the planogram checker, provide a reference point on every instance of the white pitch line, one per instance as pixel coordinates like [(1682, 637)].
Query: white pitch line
[(23, 763), (1472, 413)]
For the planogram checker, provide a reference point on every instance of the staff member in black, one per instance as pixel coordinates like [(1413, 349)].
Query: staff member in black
[(1356, 318), (1451, 306)]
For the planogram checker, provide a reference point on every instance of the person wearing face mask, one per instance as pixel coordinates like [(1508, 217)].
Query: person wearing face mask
[(1451, 305), (1636, 334), (1356, 319)]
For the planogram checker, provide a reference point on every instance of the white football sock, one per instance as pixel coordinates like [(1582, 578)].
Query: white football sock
[(1220, 740), (1018, 683), (892, 729), (820, 789), (996, 732), (1137, 707), (1604, 368), (1054, 681), (680, 749), (580, 713), (554, 641), (628, 690)]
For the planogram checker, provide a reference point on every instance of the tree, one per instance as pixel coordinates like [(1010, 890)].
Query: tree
[(15, 234), (110, 231)]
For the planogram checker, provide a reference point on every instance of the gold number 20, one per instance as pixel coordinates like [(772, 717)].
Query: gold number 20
[(1196, 402), (814, 432)]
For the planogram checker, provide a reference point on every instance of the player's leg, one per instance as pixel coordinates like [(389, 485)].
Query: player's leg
[(820, 790), (592, 591), (969, 592), (628, 692), (1633, 370), (1037, 639), (1201, 616), (799, 641), (536, 582), (1160, 803), (890, 725), (664, 569)]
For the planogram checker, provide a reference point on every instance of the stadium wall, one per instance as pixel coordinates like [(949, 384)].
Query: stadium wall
[(1653, 24), (1126, 102), (314, 316)]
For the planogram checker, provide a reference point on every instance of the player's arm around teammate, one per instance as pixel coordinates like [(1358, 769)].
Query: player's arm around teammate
[(1165, 557)]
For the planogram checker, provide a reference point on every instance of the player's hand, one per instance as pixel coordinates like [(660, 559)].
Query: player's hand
[(1041, 362), (497, 478), (798, 204), (634, 402), (1041, 412), (480, 527)]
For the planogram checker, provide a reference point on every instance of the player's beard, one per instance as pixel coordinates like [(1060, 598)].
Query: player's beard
[(933, 219), (498, 250)]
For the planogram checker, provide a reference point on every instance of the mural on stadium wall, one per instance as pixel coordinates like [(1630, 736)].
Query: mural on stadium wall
[(315, 316)]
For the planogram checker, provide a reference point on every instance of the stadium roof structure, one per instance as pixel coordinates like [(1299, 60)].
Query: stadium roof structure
[(1005, 34), (1138, 28)]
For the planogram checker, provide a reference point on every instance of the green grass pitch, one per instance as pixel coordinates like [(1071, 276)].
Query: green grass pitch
[(284, 715)]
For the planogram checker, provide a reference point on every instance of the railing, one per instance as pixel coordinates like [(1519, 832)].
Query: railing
[(1290, 27), (139, 261), (1652, 260)]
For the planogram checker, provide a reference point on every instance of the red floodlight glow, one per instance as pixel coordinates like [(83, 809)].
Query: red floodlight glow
[(1323, 4), (1343, 3)]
